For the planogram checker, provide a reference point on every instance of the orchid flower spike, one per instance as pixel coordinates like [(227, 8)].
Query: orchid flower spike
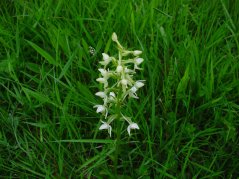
[(117, 76)]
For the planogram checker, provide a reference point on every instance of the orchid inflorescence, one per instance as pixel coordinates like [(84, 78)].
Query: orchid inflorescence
[(116, 75)]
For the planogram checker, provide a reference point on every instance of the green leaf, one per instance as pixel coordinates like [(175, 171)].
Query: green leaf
[(43, 53)]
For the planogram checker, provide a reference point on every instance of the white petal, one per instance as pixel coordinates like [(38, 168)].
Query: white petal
[(105, 56), (112, 94), (104, 63), (139, 61), (133, 89), (138, 84), (104, 126), (119, 69), (134, 126), (109, 130), (103, 72), (132, 95), (101, 80), (101, 94), (100, 108), (128, 70), (137, 52), (124, 82), (128, 129)]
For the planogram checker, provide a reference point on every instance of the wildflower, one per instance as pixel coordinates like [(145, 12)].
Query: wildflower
[(104, 73), (132, 92), (114, 37), (100, 108), (138, 84), (119, 69), (104, 81), (106, 59), (124, 82), (111, 97), (105, 125), (128, 70), (133, 89), (101, 80), (112, 94), (132, 126), (138, 61), (137, 52), (119, 82), (101, 94)]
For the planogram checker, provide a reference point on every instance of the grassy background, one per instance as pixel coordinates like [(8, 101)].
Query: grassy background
[(187, 112)]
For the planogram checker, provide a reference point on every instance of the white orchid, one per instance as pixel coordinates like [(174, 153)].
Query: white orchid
[(101, 94), (106, 59), (138, 61), (104, 73), (104, 81), (132, 126), (132, 92), (137, 52), (117, 75), (105, 125), (128, 70), (139, 84), (101, 80), (119, 69), (100, 108), (124, 82), (112, 94)]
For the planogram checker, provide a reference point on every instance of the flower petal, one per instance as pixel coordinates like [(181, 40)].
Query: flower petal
[(104, 126), (105, 56), (132, 126), (137, 52), (138, 84), (138, 61), (101, 94), (119, 69)]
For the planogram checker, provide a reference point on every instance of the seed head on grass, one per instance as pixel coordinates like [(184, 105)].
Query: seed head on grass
[(117, 78)]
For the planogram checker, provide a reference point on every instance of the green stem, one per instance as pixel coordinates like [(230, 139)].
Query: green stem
[(118, 132), (117, 147)]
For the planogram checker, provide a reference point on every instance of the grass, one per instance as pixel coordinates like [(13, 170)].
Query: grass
[(187, 112)]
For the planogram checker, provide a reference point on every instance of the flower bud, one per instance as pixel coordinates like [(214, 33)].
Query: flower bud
[(138, 61), (124, 82), (106, 59), (119, 69), (133, 89), (137, 52), (101, 94), (105, 56), (101, 80), (103, 72), (128, 70), (105, 125), (100, 108), (112, 94), (138, 84), (132, 126), (114, 37)]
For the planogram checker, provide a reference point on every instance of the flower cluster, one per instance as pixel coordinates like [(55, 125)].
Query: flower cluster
[(116, 77)]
